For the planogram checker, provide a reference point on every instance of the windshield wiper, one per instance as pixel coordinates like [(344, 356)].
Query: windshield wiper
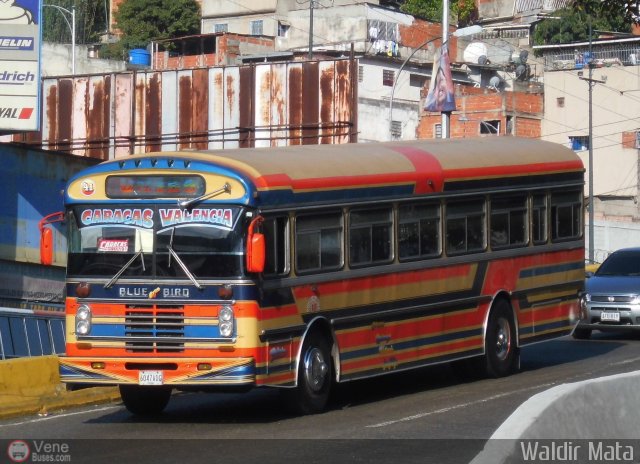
[(124, 268), (115, 278), (188, 203), (184, 268)]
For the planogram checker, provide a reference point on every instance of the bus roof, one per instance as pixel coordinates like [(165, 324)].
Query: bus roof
[(310, 174)]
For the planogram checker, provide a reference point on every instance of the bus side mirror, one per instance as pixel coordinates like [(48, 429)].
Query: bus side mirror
[(255, 248), (46, 246), (46, 237)]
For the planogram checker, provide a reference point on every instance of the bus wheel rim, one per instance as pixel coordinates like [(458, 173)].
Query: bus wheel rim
[(315, 369), (503, 339)]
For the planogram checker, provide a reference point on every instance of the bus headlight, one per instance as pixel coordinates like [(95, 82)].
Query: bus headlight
[(226, 321), (83, 320)]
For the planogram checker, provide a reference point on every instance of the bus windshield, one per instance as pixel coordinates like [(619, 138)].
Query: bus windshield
[(154, 242)]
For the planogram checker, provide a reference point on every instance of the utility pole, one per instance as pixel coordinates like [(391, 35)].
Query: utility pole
[(446, 116), (591, 82), (311, 29)]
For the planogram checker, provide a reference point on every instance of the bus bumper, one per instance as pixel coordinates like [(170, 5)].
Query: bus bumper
[(175, 372)]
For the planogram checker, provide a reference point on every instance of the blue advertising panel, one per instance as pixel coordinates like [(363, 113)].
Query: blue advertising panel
[(20, 31)]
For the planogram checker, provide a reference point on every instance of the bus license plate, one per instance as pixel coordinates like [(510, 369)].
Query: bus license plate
[(150, 378), (610, 316)]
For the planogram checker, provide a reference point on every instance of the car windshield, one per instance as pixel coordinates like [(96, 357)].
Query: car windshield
[(621, 263), (119, 242)]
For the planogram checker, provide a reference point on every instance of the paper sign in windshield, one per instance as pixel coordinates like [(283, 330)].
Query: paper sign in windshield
[(113, 246)]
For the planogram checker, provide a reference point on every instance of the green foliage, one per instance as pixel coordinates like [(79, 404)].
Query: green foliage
[(144, 20), (572, 24), (463, 12), (91, 21)]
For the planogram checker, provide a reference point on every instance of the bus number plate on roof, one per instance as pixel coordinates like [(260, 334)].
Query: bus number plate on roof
[(150, 378)]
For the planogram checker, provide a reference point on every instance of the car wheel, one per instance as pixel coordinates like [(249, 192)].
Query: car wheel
[(581, 334)]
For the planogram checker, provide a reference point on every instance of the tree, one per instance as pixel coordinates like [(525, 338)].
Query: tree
[(144, 20), (572, 24), (91, 21), (462, 11)]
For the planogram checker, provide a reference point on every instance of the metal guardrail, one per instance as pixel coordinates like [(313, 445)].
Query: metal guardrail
[(603, 56)]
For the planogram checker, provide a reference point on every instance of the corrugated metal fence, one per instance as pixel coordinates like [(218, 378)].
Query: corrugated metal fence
[(270, 104)]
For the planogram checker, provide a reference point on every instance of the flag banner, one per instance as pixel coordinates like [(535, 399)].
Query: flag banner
[(441, 95)]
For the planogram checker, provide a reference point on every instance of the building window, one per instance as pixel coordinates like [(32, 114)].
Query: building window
[(388, 77), (437, 130), (396, 129), (490, 127), (560, 102), (283, 29), (360, 73), (256, 27), (223, 27), (509, 126), (416, 80), (579, 142)]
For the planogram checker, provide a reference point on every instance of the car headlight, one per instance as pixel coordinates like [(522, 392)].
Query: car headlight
[(226, 321), (584, 299), (83, 320)]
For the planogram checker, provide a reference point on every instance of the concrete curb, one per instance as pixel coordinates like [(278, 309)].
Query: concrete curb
[(32, 386), (602, 408)]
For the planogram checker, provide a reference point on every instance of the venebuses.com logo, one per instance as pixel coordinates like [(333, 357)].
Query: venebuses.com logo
[(38, 451)]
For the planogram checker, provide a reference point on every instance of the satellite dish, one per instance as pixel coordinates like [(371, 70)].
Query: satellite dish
[(495, 82), (482, 59), (474, 51), (524, 54), (522, 72)]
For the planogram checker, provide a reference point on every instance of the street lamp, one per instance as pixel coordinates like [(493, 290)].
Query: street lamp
[(465, 31), (72, 27)]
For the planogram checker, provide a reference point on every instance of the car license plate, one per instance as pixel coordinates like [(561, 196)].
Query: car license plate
[(150, 377), (610, 316)]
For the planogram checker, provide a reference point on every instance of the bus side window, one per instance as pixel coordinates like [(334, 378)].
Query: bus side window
[(566, 214), (508, 222), (5, 339), (276, 234), (465, 226), (539, 219), (319, 242), (370, 236), (418, 231), (57, 335)]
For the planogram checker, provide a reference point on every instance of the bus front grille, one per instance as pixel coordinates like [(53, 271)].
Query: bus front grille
[(154, 330)]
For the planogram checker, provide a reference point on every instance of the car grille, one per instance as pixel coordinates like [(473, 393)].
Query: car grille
[(154, 329), (612, 298)]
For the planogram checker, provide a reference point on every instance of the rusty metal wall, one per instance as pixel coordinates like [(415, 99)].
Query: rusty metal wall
[(271, 104)]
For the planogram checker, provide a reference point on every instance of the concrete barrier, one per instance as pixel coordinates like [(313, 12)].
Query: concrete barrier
[(598, 409), (32, 385)]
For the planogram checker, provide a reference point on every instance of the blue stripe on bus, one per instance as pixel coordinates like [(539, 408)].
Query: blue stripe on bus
[(546, 270), (191, 331)]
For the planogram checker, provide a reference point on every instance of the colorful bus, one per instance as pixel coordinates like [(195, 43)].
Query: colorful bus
[(299, 267)]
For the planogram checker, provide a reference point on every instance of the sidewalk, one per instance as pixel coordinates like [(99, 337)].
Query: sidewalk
[(32, 386)]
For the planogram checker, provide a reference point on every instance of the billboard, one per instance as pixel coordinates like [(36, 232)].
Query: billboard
[(20, 64)]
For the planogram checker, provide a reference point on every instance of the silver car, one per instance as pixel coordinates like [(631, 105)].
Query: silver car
[(611, 300)]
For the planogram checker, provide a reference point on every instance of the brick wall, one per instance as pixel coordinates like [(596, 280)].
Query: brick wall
[(420, 31), (523, 111)]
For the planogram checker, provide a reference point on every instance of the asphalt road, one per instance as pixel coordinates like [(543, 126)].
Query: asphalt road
[(429, 415)]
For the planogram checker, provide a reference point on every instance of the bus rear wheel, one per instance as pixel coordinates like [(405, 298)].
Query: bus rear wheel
[(502, 355), (315, 378), (145, 401)]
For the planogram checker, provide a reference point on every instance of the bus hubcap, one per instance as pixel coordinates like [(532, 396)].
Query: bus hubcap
[(503, 341), (315, 369)]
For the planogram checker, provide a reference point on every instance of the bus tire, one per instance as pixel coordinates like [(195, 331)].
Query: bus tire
[(581, 334), (143, 400), (315, 375), (502, 355)]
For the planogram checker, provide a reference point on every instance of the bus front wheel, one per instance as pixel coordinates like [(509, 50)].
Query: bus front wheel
[(145, 401), (502, 355), (314, 376)]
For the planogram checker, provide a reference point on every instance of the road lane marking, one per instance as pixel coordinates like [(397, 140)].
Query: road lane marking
[(57, 416), (458, 406)]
